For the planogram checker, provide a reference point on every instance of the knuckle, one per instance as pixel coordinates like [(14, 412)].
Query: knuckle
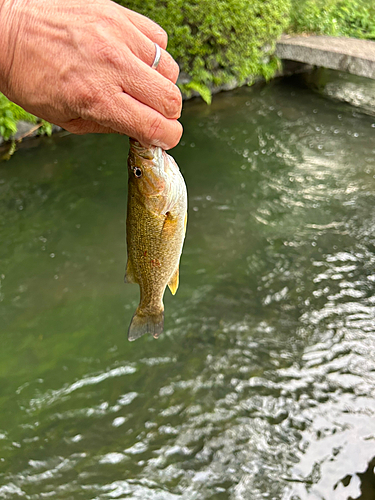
[(102, 35), (104, 51), (150, 28), (158, 35), (173, 104), (107, 22)]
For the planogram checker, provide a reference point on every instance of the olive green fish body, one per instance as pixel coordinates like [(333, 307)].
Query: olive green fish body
[(155, 229)]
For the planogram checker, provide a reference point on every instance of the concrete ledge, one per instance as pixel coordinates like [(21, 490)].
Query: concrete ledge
[(355, 90), (343, 54)]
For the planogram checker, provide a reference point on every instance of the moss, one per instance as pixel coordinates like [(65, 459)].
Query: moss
[(354, 18), (8, 123), (11, 114)]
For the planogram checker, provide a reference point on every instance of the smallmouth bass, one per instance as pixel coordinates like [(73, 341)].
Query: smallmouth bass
[(155, 233)]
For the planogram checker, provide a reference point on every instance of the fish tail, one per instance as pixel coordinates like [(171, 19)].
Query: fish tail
[(146, 323)]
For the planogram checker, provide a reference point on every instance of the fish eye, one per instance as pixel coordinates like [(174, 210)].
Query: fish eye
[(137, 172)]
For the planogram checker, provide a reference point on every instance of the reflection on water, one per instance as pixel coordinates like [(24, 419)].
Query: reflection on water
[(356, 91), (263, 384)]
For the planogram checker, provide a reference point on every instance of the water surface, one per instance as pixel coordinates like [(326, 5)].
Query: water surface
[(262, 385)]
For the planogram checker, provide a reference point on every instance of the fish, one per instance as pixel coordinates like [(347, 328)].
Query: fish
[(155, 232)]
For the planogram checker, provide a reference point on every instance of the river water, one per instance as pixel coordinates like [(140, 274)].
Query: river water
[(262, 385)]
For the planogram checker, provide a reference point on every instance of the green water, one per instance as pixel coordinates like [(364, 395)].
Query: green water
[(262, 385)]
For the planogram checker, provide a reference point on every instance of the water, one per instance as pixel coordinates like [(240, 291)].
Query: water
[(355, 90), (263, 384)]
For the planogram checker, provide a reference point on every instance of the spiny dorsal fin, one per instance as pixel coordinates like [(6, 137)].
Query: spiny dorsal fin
[(173, 283), (129, 275)]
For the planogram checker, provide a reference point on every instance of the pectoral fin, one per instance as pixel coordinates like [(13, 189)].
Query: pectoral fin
[(129, 275), (185, 222), (173, 284)]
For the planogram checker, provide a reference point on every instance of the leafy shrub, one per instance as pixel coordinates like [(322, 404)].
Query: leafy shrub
[(8, 123), (11, 113), (355, 18), (214, 41), (217, 41)]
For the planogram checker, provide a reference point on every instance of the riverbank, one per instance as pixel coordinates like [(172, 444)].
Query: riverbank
[(337, 67), (223, 45)]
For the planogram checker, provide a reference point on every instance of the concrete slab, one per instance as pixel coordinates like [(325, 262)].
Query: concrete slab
[(343, 54)]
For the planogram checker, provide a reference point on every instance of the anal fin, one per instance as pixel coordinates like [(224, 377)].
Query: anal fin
[(129, 274), (173, 283)]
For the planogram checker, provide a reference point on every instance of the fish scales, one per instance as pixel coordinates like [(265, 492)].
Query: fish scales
[(156, 224), (146, 252)]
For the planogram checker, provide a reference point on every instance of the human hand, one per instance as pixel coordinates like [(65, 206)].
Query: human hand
[(86, 65)]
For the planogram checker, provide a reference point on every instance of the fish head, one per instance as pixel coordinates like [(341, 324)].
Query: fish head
[(148, 169)]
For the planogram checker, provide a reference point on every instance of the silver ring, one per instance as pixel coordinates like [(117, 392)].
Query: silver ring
[(154, 65)]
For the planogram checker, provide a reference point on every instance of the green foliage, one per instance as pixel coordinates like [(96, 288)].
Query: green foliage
[(194, 86), (21, 114), (45, 128), (8, 124), (355, 18), (218, 41), (11, 114), (214, 42)]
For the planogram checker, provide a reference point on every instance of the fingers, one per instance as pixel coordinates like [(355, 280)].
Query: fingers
[(122, 113), (144, 49), (135, 100), (140, 33), (150, 29), (150, 88)]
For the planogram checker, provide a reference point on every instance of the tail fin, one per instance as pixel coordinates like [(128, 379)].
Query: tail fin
[(141, 324)]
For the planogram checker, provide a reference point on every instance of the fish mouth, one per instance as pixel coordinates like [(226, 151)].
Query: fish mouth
[(156, 154), (145, 152)]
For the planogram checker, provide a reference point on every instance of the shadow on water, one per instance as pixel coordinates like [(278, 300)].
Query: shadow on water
[(263, 384)]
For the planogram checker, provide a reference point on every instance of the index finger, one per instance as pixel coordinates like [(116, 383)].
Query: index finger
[(124, 114)]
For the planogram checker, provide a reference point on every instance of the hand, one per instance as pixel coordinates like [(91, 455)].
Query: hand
[(85, 65)]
